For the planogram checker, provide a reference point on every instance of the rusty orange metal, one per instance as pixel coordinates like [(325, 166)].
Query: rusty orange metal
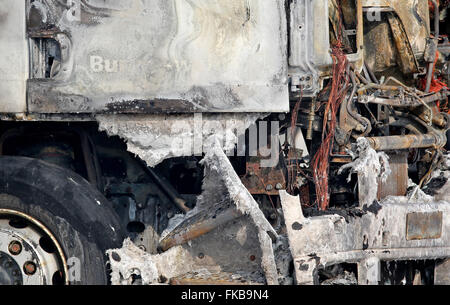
[(396, 183), (263, 180), (424, 225), (199, 224)]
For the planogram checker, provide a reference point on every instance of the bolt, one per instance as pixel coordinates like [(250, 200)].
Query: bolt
[(269, 187), (279, 186), (252, 257), (115, 256), (297, 226), (142, 247), (29, 268), (15, 247)]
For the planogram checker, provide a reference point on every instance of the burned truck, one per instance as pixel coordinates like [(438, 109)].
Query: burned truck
[(224, 142)]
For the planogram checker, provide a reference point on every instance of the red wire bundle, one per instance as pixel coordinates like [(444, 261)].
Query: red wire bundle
[(338, 92), (436, 83), (431, 6)]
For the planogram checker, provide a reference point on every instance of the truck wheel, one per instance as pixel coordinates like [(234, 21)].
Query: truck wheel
[(54, 226)]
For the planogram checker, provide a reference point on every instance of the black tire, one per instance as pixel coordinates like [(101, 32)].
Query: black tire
[(79, 216)]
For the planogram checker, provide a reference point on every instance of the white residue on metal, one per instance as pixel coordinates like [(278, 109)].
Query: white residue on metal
[(173, 223), (225, 56), (443, 170), (417, 195), (268, 263), (157, 137), (217, 161), (130, 260), (345, 278), (370, 166), (442, 194), (241, 235)]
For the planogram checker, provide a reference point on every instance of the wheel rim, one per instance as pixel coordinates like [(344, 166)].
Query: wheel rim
[(29, 252)]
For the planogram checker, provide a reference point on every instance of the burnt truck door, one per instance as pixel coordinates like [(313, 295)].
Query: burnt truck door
[(13, 57), (151, 56)]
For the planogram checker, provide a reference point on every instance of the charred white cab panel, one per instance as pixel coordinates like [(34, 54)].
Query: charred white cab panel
[(14, 56), (150, 56)]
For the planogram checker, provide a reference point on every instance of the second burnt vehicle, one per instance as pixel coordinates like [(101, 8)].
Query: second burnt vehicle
[(216, 142)]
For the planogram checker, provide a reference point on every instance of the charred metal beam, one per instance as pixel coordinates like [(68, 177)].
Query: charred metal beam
[(199, 224), (405, 101), (168, 189), (435, 139)]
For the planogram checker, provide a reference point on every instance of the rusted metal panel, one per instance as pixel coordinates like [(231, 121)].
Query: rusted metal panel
[(396, 183), (156, 56), (399, 40), (199, 224), (263, 180), (408, 62), (432, 139), (414, 15), (13, 57), (423, 225)]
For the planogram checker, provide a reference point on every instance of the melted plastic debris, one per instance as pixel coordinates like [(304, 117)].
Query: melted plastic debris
[(129, 262), (131, 265), (220, 180), (345, 278), (155, 138), (216, 161), (222, 183), (370, 165), (415, 194), (436, 189)]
